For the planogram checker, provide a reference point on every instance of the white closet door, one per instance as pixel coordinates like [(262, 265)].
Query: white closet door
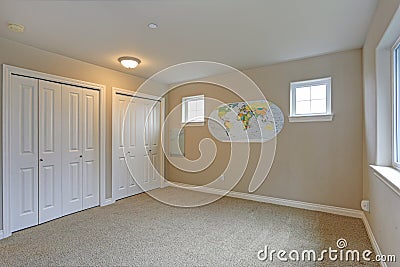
[(155, 143), (132, 152), (72, 149), (136, 133), (91, 148), (151, 110), (127, 166), (24, 153), (146, 138), (119, 166), (50, 200)]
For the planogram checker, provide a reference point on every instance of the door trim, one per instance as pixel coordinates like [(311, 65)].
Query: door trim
[(125, 92), (6, 100)]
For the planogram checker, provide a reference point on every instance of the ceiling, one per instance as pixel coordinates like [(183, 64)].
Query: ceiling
[(240, 33)]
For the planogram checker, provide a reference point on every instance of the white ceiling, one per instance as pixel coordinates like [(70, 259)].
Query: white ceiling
[(240, 33)]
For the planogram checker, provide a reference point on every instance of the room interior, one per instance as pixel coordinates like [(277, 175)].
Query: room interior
[(106, 163)]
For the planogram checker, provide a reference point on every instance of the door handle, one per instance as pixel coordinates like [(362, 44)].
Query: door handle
[(40, 159), (80, 156)]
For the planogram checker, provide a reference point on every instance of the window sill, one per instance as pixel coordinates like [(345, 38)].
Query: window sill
[(197, 123), (311, 118), (388, 175)]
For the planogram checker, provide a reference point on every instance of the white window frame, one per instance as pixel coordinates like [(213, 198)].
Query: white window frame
[(185, 101), (327, 116), (395, 70)]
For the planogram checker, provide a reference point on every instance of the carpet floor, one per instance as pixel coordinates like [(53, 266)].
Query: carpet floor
[(141, 231)]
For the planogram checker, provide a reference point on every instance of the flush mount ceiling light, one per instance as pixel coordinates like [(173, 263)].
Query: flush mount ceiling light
[(16, 27), (129, 62), (152, 25)]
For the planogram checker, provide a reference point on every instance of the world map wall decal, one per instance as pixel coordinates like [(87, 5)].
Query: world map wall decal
[(253, 121)]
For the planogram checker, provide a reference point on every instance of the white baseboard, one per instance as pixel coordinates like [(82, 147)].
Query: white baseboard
[(1, 234), (371, 236), (107, 202), (277, 201)]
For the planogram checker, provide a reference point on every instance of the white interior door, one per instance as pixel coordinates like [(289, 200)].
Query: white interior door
[(146, 141), (24, 153), (91, 149), (132, 152), (72, 149), (151, 114), (50, 199), (155, 143), (81, 151), (136, 137), (54, 158), (127, 168), (120, 170)]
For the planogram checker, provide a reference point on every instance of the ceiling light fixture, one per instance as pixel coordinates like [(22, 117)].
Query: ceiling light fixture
[(152, 25), (129, 62), (16, 27)]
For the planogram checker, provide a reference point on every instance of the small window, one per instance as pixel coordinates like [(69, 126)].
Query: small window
[(193, 109), (310, 100), (396, 109)]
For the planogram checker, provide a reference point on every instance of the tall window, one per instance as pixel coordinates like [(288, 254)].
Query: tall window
[(396, 108), (193, 109), (312, 97)]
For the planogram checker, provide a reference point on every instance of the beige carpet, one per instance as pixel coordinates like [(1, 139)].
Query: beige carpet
[(143, 232)]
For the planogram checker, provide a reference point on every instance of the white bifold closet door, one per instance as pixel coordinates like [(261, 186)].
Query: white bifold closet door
[(136, 130), (91, 148), (151, 154), (126, 162), (35, 158), (50, 200), (24, 153), (80, 152), (54, 159), (120, 168)]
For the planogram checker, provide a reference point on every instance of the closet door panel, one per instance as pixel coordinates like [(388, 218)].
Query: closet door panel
[(136, 127), (133, 187), (155, 134), (91, 149), (119, 166), (151, 111), (155, 169), (147, 126), (71, 149), (122, 190), (50, 199), (131, 128), (156, 137), (24, 153)]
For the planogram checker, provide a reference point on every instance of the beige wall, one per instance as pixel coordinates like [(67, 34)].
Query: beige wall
[(318, 162), (383, 218), (194, 134), (27, 57)]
